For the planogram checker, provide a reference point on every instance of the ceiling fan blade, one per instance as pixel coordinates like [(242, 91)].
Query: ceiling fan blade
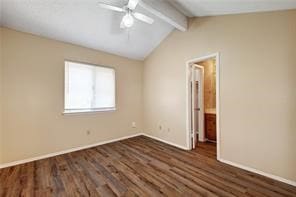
[(132, 4), (143, 18), (111, 7)]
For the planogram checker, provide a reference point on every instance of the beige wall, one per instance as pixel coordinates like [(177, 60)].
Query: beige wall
[(258, 87), (33, 71), (1, 137)]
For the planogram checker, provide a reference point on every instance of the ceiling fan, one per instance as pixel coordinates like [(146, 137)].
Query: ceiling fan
[(129, 18)]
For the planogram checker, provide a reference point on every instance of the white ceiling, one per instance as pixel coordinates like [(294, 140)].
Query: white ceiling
[(84, 23), (221, 7)]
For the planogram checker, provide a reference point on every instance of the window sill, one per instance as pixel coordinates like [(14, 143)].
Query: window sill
[(88, 111)]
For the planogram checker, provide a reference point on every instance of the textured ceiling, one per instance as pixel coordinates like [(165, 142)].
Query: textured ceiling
[(84, 23), (221, 7)]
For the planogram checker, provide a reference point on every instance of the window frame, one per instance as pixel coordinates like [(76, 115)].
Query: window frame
[(90, 110)]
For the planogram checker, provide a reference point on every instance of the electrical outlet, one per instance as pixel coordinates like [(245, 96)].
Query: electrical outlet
[(134, 125), (160, 127)]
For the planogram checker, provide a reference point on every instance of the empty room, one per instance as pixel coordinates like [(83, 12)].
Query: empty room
[(148, 98)]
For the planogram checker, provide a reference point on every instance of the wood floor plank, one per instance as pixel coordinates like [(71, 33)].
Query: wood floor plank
[(138, 166)]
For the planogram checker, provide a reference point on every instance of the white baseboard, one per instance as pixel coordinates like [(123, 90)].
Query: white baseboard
[(290, 182), (14, 163), (167, 142), (5, 165)]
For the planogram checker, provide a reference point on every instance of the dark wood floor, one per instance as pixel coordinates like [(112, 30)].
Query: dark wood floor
[(207, 149), (136, 167)]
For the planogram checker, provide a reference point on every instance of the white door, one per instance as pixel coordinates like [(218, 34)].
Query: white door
[(193, 106), (200, 103), (196, 108)]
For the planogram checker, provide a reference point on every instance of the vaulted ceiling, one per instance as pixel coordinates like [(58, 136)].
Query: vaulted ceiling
[(221, 7), (84, 23)]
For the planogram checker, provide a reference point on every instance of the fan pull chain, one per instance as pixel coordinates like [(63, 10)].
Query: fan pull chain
[(128, 34)]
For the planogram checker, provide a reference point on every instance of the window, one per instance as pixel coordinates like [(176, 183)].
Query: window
[(89, 88)]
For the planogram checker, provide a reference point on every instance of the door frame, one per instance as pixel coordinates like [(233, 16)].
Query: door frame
[(189, 64), (201, 124)]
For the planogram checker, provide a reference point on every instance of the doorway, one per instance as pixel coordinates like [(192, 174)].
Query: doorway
[(203, 99)]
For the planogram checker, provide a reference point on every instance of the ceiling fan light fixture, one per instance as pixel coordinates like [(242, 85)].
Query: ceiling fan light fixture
[(128, 20), (130, 16)]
